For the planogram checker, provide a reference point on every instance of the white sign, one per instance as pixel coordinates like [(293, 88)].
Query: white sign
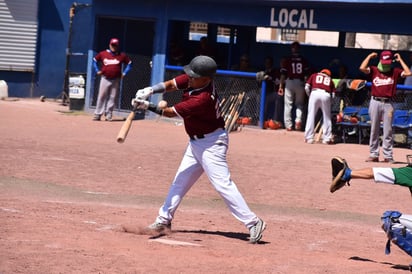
[(294, 18), (76, 93)]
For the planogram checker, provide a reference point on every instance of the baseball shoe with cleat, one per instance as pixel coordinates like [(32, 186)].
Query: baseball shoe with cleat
[(160, 228), (256, 231)]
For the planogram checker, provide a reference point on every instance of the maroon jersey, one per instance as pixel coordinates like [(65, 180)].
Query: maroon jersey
[(112, 63), (199, 108), (384, 83), (321, 81), (295, 67)]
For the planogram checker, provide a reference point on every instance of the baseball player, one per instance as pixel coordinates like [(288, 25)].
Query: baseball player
[(384, 79), (398, 226), (293, 70), (342, 174), (207, 147), (319, 88), (111, 73)]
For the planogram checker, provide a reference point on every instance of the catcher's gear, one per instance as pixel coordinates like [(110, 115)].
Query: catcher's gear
[(339, 166), (398, 230)]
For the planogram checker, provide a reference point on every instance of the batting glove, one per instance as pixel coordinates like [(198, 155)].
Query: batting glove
[(143, 94), (140, 104)]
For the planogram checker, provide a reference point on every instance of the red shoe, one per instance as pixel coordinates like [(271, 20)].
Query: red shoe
[(298, 125), (289, 129), (330, 142), (372, 159)]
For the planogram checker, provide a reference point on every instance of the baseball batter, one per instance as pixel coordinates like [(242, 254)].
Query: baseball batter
[(319, 87), (208, 144), (111, 73), (384, 79), (294, 69)]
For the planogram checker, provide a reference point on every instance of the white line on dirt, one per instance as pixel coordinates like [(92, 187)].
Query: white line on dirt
[(173, 242), (9, 209)]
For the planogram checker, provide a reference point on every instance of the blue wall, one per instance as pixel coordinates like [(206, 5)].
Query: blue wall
[(48, 78)]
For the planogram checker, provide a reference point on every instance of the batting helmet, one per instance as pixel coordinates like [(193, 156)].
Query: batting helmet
[(201, 66)]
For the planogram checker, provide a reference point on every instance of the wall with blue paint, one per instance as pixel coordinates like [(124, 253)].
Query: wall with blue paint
[(347, 16)]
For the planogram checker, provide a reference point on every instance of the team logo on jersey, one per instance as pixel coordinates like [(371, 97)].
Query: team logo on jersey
[(382, 82), (107, 62)]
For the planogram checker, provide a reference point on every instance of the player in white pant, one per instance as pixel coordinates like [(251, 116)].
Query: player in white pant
[(294, 69), (110, 70), (207, 148), (206, 155), (319, 87)]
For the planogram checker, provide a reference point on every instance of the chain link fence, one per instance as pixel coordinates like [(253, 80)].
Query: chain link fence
[(229, 83), (361, 98)]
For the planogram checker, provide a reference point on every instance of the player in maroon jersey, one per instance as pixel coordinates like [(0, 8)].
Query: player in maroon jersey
[(294, 70), (208, 144), (319, 87), (384, 79), (111, 73)]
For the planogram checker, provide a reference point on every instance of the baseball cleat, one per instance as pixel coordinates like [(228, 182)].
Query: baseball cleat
[(256, 231), (160, 228)]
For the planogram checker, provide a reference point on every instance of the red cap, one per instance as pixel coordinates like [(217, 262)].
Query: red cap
[(386, 57), (114, 41)]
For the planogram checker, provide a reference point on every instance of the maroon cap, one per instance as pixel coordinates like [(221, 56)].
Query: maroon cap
[(386, 57), (114, 41)]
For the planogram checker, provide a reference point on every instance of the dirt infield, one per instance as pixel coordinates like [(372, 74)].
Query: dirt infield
[(67, 190)]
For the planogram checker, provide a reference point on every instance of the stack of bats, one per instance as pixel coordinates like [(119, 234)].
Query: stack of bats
[(231, 108)]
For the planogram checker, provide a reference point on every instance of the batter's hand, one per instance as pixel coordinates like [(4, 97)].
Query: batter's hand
[(143, 94), (140, 104)]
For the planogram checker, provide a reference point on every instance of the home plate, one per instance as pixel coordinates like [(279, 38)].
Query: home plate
[(173, 242)]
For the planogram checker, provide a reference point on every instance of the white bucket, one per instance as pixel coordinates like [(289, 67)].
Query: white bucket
[(4, 89)]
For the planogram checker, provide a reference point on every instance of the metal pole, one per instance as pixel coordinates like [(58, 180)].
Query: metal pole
[(65, 93)]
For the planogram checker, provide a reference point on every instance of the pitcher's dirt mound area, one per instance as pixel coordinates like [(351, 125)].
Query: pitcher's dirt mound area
[(72, 200)]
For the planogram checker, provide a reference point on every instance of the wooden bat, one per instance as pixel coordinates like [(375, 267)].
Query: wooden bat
[(319, 135), (126, 126)]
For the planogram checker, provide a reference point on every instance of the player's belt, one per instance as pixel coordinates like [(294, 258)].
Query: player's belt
[(202, 136), (196, 137), (381, 99)]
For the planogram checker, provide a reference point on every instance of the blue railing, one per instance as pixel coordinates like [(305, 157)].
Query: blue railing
[(252, 75)]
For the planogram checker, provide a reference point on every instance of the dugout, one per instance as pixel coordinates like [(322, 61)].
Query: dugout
[(151, 29), (147, 29)]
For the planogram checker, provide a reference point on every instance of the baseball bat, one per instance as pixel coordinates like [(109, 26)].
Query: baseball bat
[(319, 134), (121, 137)]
